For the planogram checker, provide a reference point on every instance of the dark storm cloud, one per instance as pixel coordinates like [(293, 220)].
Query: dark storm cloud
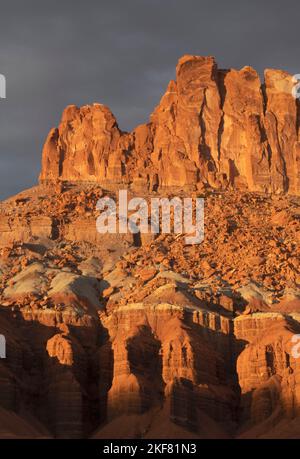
[(121, 53)]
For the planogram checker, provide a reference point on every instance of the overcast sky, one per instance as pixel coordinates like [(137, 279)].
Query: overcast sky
[(121, 53)]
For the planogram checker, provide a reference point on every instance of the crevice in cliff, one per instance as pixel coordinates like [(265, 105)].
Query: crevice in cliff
[(222, 92), (221, 85), (220, 134), (61, 160), (266, 149), (91, 164), (204, 148), (264, 97), (283, 173)]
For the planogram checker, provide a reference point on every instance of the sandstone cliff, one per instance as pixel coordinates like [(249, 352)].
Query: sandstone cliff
[(217, 128)]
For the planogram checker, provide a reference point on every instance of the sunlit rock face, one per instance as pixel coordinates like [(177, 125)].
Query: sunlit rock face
[(220, 128)]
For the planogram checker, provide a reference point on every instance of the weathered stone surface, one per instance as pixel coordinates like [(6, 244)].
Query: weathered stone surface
[(222, 128), (130, 336)]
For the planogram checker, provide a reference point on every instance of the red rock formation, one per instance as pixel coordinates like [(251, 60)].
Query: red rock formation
[(149, 337), (158, 365), (267, 370), (217, 127)]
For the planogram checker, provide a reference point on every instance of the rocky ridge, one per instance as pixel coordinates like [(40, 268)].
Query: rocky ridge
[(212, 128)]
